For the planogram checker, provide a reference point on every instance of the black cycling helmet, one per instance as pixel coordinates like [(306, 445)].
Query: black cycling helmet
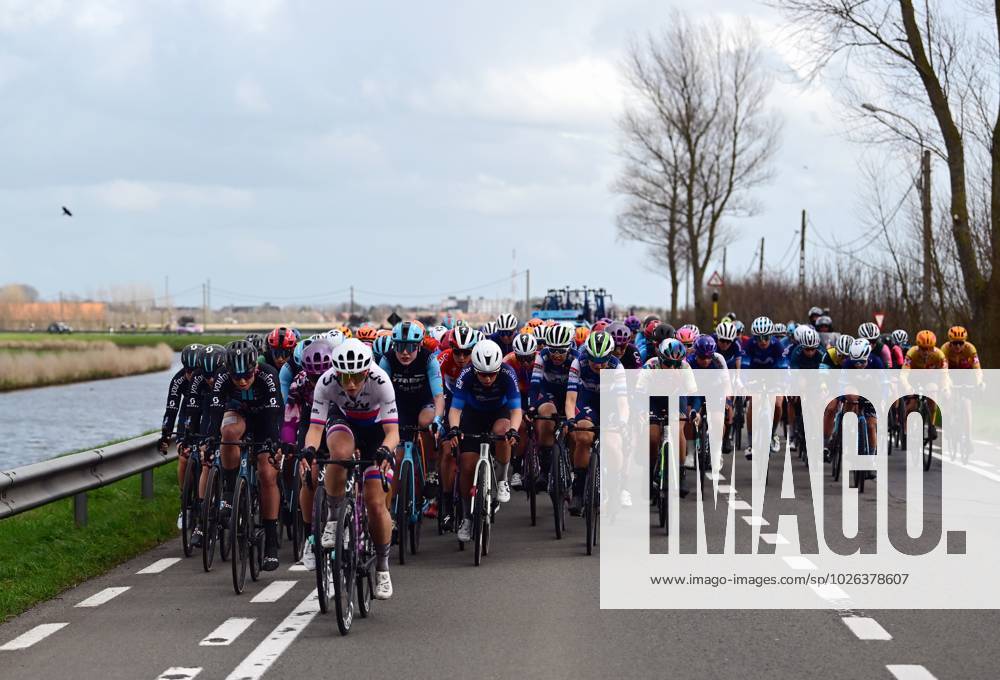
[(241, 358), (191, 356), (258, 341), (662, 332), (213, 358)]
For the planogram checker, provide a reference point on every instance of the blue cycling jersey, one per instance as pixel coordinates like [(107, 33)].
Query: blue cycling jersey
[(550, 378), (799, 359), (471, 393), (586, 382), (732, 354), (771, 356)]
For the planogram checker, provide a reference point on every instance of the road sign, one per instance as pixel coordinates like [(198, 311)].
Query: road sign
[(879, 318), (715, 281), (394, 319)]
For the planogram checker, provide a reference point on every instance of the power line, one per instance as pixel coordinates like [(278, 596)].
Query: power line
[(441, 294)]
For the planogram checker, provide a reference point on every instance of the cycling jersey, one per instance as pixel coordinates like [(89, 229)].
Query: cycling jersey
[(772, 356), (718, 361), (964, 357), (917, 358), (630, 358), (505, 340), (471, 393), (832, 358), (260, 404), (734, 355), (548, 379), (449, 370), (522, 369), (195, 417), (374, 404), (298, 405), (658, 404), (417, 382), (177, 391), (286, 375), (586, 382), (799, 359)]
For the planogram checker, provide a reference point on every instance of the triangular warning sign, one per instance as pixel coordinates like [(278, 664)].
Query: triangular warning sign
[(715, 281), (879, 318)]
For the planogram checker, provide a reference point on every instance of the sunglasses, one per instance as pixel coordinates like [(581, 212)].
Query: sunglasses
[(553, 350), (281, 353), (598, 362), (351, 378), (505, 334), (409, 347), (462, 352), (958, 343)]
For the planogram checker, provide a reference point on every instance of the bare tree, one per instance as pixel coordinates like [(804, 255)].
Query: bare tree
[(697, 139), (939, 66)]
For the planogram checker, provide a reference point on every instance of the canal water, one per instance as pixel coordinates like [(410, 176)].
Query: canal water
[(40, 423)]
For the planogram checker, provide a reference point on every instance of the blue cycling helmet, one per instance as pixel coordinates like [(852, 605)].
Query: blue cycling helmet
[(381, 346), (704, 346), (299, 346), (448, 321), (407, 331), (297, 334)]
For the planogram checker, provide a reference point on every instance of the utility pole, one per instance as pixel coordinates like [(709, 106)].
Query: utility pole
[(527, 293), (204, 304), (802, 257), (760, 267), (723, 264), (925, 208)]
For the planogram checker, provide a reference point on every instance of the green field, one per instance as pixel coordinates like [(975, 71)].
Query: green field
[(45, 553), (176, 342)]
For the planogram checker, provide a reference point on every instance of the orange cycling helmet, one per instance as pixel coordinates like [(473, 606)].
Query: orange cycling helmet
[(382, 331), (599, 326), (418, 324), (430, 344), (367, 334), (582, 333), (346, 330), (530, 330), (926, 340), (534, 322), (958, 334)]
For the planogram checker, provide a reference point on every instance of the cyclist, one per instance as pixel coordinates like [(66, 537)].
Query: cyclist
[(485, 399), (899, 344), (925, 354), (835, 353), (316, 360), (381, 347), (177, 396), (280, 345), (453, 361), (293, 366), (355, 404), (583, 400), (670, 355), (522, 361), (416, 379), (260, 343), (547, 393), (246, 401), (505, 332), (728, 346), (870, 332), (580, 335), (367, 334), (960, 353), (762, 352)]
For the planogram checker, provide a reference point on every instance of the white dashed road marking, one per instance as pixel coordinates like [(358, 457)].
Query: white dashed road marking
[(274, 591), (179, 673), (226, 633), (159, 565), (298, 566), (28, 638), (267, 652), (755, 521), (910, 672), (103, 596), (866, 628), (774, 539)]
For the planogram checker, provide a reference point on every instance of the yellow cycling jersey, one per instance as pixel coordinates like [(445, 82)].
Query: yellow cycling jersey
[(964, 356), (918, 358), (835, 357)]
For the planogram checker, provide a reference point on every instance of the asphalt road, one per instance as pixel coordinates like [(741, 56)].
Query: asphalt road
[(531, 610)]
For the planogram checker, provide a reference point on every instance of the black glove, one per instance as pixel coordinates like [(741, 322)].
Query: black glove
[(384, 455), (531, 412), (454, 434), (164, 442), (513, 436), (309, 453)]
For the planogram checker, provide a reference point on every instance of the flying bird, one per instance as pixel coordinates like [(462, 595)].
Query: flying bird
[(66, 212)]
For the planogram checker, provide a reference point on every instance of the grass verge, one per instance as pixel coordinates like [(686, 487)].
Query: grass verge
[(20, 370), (42, 552), (174, 341)]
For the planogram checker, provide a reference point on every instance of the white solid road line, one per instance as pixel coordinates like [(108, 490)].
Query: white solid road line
[(274, 591), (910, 672), (799, 562), (103, 596), (226, 633), (866, 628), (178, 673), (32, 636), (267, 652), (159, 565)]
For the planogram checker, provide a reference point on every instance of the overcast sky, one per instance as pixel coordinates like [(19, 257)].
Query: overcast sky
[(288, 149)]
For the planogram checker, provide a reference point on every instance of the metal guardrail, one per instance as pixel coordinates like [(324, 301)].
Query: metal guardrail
[(31, 486)]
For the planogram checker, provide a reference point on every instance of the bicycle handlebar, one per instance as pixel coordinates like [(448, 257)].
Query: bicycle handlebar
[(353, 463)]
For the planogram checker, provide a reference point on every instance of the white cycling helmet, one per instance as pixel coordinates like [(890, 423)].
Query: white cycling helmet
[(487, 357), (560, 336), (352, 356), (900, 337), (780, 329), (843, 344), (437, 332), (506, 322), (336, 337), (868, 331), (808, 338), (860, 350), (726, 331), (525, 345), (465, 337), (695, 331), (762, 326)]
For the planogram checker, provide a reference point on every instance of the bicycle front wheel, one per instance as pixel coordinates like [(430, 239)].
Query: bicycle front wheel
[(344, 566), (404, 501), (592, 500), (210, 518), (189, 494), (480, 513), (240, 528), (557, 491)]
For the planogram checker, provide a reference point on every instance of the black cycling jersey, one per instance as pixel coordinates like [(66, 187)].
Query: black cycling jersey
[(630, 359), (261, 402), (411, 382), (177, 394), (195, 419)]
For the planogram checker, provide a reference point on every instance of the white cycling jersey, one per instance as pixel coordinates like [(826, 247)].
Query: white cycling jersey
[(374, 404)]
